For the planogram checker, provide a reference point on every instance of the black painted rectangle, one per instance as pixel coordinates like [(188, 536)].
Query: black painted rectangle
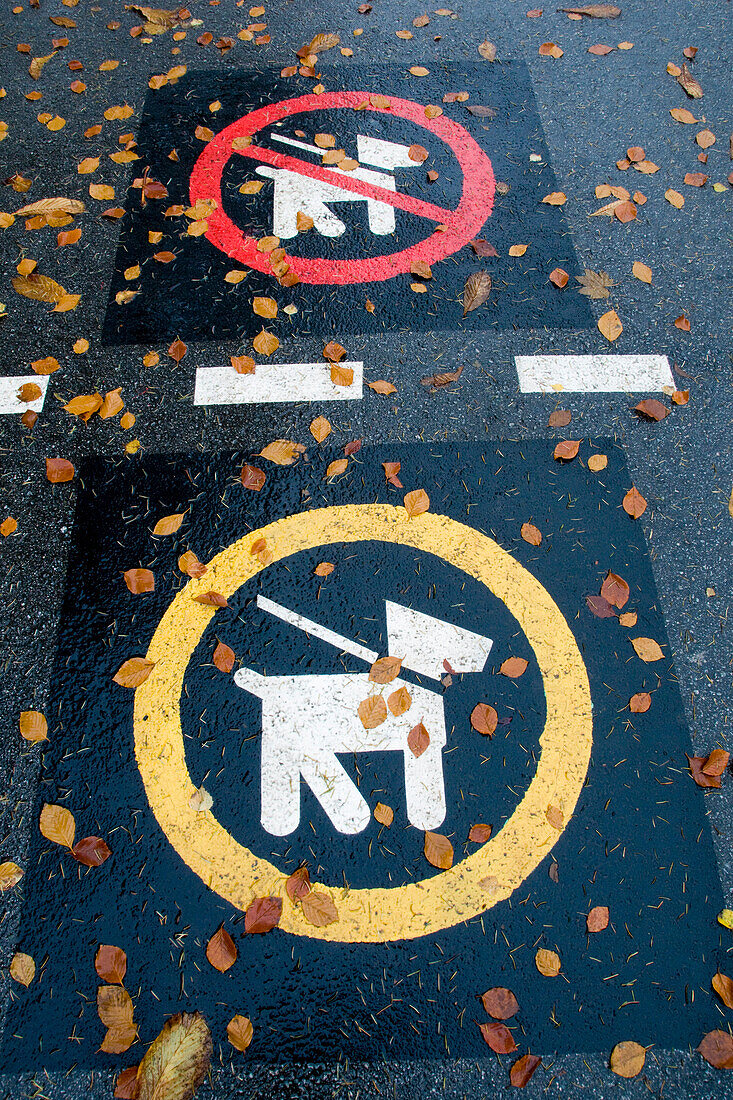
[(189, 296), (638, 841)]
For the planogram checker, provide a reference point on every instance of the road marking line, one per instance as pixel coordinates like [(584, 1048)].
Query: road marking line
[(9, 400), (347, 183), (341, 643), (275, 382), (593, 373)]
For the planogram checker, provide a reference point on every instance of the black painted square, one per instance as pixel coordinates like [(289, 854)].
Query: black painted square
[(638, 841), (189, 296)]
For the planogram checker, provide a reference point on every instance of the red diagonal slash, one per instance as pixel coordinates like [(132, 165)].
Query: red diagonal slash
[(348, 183)]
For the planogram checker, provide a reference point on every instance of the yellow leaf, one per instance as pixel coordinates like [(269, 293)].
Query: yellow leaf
[(372, 711), (133, 672), (547, 962), (39, 287), (10, 875), (419, 70), (235, 276), (609, 325), (596, 463), (56, 123), (84, 405), (36, 66), (168, 525), (647, 649), (725, 917), (114, 1006), (33, 726), (88, 165), (252, 187), (265, 307), (674, 197), (177, 1060), (282, 452), (101, 191), (118, 1039), (627, 1059), (57, 824), (10, 525), (22, 968), (112, 404), (66, 303), (399, 701)]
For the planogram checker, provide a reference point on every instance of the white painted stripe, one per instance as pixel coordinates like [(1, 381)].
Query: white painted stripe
[(593, 373), (330, 636), (9, 400), (275, 382), (298, 144)]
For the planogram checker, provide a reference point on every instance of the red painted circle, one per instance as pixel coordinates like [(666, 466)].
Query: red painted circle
[(475, 206)]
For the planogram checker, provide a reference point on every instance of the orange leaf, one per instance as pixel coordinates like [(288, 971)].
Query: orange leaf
[(177, 350), (139, 580), (500, 1003), (263, 914), (609, 325), (418, 739), (634, 503), (33, 726), (252, 477), (372, 711), (383, 814), (566, 450), (514, 667), (399, 701), (320, 428), (547, 962), (224, 657), (416, 502), (134, 672), (221, 951), (265, 343), (337, 467), (597, 919), (438, 851), (168, 525), (385, 669), (484, 719), (239, 1032), (59, 470), (110, 963)]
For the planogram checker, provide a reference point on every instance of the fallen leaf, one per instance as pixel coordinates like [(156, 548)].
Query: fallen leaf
[(594, 284), (342, 376), (681, 114), (484, 719), (418, 740), (22, 968), (652, 409), (547, 962), (139, 580), (500, 1003), (647, 649), (595, 11), (615, 590), (555, 817), (134, 672), (110, 964), (382, 387), (177, 350), (337, 467), (262, 915), (239, 1032), (484, 249), (609, 325), (39, 287), (596, 463), (298, 884), (372, 711), (559, 418), (627, 1059), (190, 564), (221, 950), (10, 875), (524, 1067), (531, 534), (641, 272), (252, 477), (498, 1037), (224, 657), (59, 470), (320, 429), (634, 503), (33, 726), (687, 81), (518, 249), (200, 801), (168, 525), (334, 352), (399, 701), (675, 198), (383, 814), (480, 833), (438, 851), (416, 502), (211, 599), (476, 291), (513, 667), (716, 762), (385, 670), (487, 50), (549, 49), (566, 450), (597, 919), (600, 50), (559, 277), (695, 179), (176, 1062), (722, 985), (600, 607), (10, 524), (57, 824), (319, 909), (640, 702), (555, 198)]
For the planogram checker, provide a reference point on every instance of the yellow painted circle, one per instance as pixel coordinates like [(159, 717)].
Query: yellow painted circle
[(379, 914)]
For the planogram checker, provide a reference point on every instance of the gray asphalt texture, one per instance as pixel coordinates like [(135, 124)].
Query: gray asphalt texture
[(592, 109)]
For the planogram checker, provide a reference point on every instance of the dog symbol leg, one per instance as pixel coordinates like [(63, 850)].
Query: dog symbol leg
[(425, 788)]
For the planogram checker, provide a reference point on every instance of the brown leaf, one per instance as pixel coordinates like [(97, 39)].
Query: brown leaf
[(566, 450), (84, 406), (480, 833), (33, 726), (252, 477), (224, 657), (243, 364), (525, 1066), (555, 817), (221, 950), (595, 11), (559, 277), (500, 1003), (634, 503), (119, 1039), (211, 599), (476, 291), (514, 667), (723, 986), (382, 387), (299, 884), (652, 409), (600, 607), (45, 366), (716, 762), (547, 962), (385, 670), (499, 1038), (126, 1084), (391, 470), (488, 50), (134, 672), (111, 964), (418, 153), (560, 418), (139, 580), (399, 701), (177, 350), (597, 919), (594, 284), (39, 287), (337, 467), (647, 649), (282, 452), (263, 914), (443, 379), (10, 875), (239, 1032), (531, 534), (321, 42), (627, 1059), (320, 429), (168, 525), (372, 711), (188, 563), (176, 1062), (383, 814), (615, 590), (600, 50), (334, 352), (59, 470), (324, 569), (692, 87), (319, 909), (609, 325), (418, 739), (695, 179), (416, 502), (438, 851), (675, 198), (484, 249), (92, 851), (640, 702), (484, 719), (57, 824)]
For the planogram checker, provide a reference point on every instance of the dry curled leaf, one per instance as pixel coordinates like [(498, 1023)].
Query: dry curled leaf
[(438, 851), (476, 291), (687, 81)]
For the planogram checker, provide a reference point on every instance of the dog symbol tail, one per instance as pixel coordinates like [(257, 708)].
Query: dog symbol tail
[(251, 681)]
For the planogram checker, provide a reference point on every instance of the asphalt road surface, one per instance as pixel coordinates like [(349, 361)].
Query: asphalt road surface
[(324, 311)]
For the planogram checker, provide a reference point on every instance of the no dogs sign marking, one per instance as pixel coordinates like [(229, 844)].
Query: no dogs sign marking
[(457, 227), (372, 211)]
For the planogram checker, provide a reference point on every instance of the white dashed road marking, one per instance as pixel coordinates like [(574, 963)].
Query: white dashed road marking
[(273, 382), (593, 373)]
